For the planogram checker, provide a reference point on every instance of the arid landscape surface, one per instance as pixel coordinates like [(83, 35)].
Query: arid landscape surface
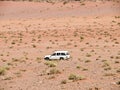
[(89, 30)]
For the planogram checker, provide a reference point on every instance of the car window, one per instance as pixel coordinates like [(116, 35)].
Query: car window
[(62, 53), (58, 54)]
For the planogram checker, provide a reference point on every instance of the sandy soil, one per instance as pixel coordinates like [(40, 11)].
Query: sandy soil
[(90, 31)]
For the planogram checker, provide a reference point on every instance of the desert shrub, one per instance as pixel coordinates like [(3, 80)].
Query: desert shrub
[(2, 70), (116, 42), (117, 62), (118, 23), (118, 83), (85, 69), (63, 82), (38, 59), (87, 61), (117, 57), (7, 78), (12, 42), (34, 46), (81, 37), (52, 77), (78, 67), (65, 2), (53, 71), (88, 55), (14, 60), (111, 57), (106, 64), (83, 4), (109, 74), (18, 74), (51, 64), (107, 68), (117, 16), (74, 77), (118, 71)]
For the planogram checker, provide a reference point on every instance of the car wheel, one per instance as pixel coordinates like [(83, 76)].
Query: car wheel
[(61, 58), (47, 58)]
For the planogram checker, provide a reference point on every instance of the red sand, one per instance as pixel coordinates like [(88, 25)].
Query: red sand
[(30, 30)]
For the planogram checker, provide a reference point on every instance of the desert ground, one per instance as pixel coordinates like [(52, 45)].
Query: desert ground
[(89, 30)]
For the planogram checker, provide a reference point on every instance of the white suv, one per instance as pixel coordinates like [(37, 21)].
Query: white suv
[(58, 55)]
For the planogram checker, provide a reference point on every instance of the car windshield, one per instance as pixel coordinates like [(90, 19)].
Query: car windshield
[(53, 54)]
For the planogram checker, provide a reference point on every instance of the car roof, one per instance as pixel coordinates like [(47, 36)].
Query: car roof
[(61, 52)]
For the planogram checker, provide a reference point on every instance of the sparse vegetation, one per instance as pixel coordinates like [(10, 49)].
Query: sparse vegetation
[(63, 81), (118, 83), (2, 70), (118, 71), (38, 59), (29, 33), (74, 77), (88, 55), (50, 64), (78, 67), (53, 71), (87, 61)]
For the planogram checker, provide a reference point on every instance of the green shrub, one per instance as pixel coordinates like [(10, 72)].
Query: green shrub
[(2, 70), (53, 71), (74, 77), (106, 64), (51, 64)]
